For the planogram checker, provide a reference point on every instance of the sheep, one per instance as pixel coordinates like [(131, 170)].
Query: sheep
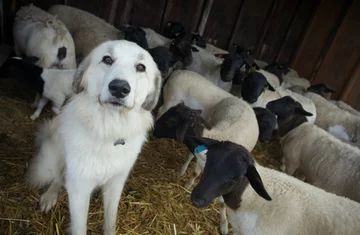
[(326, 92), (53, 84), (255, 92), (333, 119), (38, 33), (290, 77), (224, 112), (323, 159), (229, 117), (295, 207), (180, 121)]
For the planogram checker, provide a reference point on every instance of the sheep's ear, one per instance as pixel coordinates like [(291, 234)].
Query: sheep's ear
[(153, 97), (330, 90), (204, 141), (80, 78), (221, 56), (31, 59), (256, 182), (181, 131), (194, 49), (270, 87), (300, 110)]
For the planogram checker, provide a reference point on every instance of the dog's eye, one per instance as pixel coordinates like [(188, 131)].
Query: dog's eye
[(107, 60), (140, 68)]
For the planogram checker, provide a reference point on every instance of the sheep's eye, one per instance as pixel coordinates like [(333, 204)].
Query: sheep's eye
[(140, 68), (107, 60)]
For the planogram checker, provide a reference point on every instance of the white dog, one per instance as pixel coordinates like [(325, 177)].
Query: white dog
[(97, 137)]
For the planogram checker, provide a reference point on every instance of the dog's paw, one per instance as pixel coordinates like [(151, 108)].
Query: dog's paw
[(55, 110), (33, 117), (48, 201)]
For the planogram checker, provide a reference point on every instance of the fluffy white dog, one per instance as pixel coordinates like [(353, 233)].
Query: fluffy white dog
[(97, 137)]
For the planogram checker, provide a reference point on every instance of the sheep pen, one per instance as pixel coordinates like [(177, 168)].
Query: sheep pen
[(154, 200)]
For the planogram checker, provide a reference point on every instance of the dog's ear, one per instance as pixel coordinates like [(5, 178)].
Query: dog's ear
[(80, 78), (152, 98)]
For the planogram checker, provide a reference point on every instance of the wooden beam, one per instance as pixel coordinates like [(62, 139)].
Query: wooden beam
[(355, 78), (113, 10), (205, 17)]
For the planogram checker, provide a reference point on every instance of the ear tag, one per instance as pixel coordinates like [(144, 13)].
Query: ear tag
[(253, 68), (200, 149), (177, 34)]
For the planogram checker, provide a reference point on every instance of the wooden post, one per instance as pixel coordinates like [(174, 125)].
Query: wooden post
[(113, 9), (205, 16), (350, 84)]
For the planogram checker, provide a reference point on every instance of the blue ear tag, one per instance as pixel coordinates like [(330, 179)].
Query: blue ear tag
[(200, 148)]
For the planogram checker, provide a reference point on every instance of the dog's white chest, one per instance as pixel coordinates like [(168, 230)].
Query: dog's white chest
[(100, 160)]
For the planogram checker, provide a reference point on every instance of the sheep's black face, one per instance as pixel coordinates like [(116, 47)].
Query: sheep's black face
[(275, 68), (174, 30), (247, 56), (181, 49), (163, 58), (285, 107), (253, 86), (137, 35), (267, 122), (230, 67), (198, 40), (321, 89), (226, 168), (178, 122)]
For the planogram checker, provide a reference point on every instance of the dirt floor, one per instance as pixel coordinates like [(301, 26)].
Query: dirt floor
[(153, 201)]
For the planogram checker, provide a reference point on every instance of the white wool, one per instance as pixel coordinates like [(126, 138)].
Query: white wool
[(324, 160)]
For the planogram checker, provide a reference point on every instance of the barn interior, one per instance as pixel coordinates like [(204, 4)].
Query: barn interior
[(319, 39)]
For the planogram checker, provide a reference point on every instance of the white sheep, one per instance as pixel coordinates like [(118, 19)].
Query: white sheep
[(324, 160), (38, 33), (290, 206), (296, 208), (87, 29), (334, 119), (230, 118), (54, 85)]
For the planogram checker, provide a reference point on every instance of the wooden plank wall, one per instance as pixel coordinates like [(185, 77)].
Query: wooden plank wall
[(319, 38)]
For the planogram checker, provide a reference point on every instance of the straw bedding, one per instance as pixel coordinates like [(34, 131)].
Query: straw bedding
[(153, 201)]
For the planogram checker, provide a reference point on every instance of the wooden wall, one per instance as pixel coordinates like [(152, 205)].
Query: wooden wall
[(318, 38)]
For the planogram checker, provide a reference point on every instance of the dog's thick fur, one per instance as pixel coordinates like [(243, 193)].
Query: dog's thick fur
[(78, 147)]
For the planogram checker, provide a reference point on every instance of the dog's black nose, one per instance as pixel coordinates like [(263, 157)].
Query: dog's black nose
[(119, 88)]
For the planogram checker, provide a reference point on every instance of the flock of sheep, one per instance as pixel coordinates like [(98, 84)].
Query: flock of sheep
[(219, 104)]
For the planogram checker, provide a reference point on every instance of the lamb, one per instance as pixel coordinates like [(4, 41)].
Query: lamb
[(37, 33), (326, 92), (295, 207), (53, 84), (290, 77), (324, 160), (257, 91)]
